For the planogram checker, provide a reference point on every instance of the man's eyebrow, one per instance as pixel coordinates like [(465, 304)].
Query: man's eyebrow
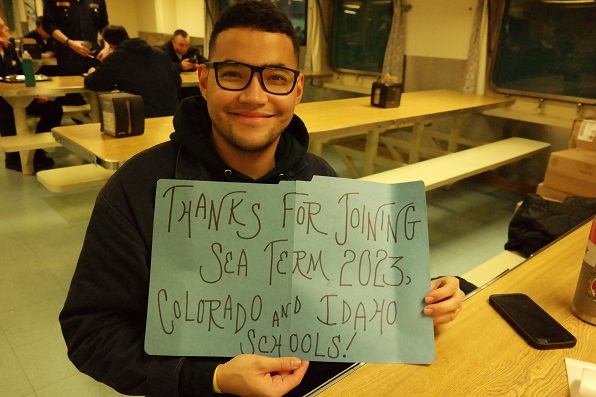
[(275, 65)]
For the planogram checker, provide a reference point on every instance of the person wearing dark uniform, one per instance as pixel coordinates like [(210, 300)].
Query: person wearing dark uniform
[(185, 58), (50, 112), (45, 42), (76, 24), (155, 78)]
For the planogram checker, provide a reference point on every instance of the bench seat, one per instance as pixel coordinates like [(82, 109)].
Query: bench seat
[(74, 177), (453, 167), (493, 268), (18, 143)]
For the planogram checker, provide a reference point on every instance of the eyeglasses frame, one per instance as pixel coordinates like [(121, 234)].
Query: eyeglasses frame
[(259, 69)]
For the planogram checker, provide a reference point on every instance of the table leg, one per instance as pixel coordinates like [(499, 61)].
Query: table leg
[(19, 103), (370, 151), (417, 135), (316, 147), (93, 100), (455, 133)]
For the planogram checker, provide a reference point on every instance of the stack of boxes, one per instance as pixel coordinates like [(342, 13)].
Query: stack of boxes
[(572, 172)]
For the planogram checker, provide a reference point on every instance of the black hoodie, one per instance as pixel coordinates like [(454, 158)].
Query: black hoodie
[(103, 320), (193, 131), (137, 68)]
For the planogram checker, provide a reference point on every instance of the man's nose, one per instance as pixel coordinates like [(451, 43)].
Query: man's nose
[(254, 92)]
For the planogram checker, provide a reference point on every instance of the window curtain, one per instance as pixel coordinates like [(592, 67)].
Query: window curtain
[(393, 62), (472, 66)]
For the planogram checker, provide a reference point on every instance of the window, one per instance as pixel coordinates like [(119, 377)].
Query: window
[(360, 33), (296, 10), (545, 49)]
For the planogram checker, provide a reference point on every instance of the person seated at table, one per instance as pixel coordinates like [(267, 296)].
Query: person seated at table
[(45, 42), (49, 112), (137, 68), (185, 57), (46, 45), (241, 130)]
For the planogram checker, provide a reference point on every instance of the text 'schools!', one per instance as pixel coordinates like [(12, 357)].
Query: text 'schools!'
[(327, 270)]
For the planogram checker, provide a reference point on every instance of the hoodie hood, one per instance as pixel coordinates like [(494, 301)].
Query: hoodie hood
[(136, 45), (192, 126)]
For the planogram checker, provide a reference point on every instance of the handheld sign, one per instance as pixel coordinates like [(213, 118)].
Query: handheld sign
[(326, 270)]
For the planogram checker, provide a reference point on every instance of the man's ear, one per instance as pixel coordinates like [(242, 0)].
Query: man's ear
[(299, 88), (203, 73)]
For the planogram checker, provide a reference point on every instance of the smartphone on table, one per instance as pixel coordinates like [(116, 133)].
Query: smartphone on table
[(532, 322)]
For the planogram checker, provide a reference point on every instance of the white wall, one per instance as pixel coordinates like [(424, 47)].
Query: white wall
[(161, 16), (439, 31), (190, 16), (126, 13)]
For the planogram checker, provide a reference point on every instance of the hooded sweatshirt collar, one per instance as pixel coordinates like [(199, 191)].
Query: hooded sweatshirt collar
[(192, 126)]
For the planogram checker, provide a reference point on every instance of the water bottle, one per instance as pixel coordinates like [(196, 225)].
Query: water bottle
[(28, 69), (584, 302)]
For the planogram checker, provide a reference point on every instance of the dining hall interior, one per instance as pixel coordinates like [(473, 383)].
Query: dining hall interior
[(468, 213)]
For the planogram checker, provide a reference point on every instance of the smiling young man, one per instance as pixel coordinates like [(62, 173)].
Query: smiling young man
[(242, 129)]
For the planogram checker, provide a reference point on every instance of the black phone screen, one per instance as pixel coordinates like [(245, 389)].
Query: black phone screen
[(532, 322)]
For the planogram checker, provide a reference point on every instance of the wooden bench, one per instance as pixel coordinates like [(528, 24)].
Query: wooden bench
[(18, 143), (42, 140), (80, 112), (453, 167), (495, 267), (74, 177)]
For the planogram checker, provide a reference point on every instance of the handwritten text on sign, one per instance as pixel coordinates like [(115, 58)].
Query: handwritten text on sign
[(327, 270)]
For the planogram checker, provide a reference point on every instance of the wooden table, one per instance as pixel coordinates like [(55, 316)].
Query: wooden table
[(19, 97), (325, 120), (190, 79), (479, 354), (44, 61), (90, 143), (352, 117)]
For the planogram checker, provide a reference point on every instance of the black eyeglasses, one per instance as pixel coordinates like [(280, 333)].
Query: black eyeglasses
[(236, 76)]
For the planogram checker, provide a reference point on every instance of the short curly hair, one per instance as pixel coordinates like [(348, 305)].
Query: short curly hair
[(114, 34), (256, 15)]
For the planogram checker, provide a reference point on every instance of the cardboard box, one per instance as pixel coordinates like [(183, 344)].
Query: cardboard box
[(572, 171), (583, 134), (122, 114), (550, 193)]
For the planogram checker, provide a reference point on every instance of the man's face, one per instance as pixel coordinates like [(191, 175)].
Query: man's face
[(250, 120), (181, 44)]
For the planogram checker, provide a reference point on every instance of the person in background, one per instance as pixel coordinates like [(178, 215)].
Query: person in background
[(45, 42), (242, 129), (46, 45), (137, 68), (49, 112), (76, 25), (185, 57)]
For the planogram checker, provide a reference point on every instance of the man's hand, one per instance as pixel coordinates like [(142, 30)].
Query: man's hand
[(444, 301), (104, 53), (79, 47), (185, 64), (250, 375)]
